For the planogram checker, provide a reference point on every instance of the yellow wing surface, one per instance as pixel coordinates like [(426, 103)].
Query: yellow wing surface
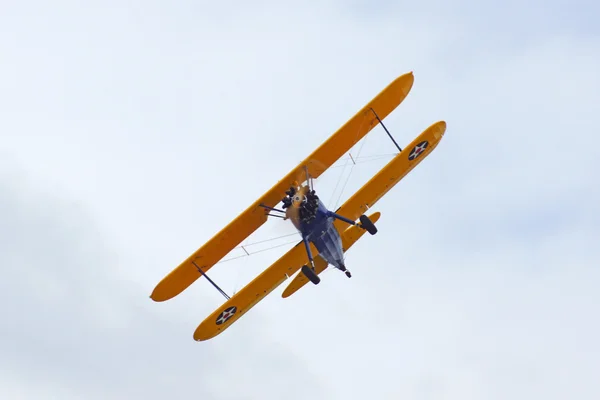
[(254, 216), (349, 237), (391, 174), (293, 260), (376, 188), (266, 282)]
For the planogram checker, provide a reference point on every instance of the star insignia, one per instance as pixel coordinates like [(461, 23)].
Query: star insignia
[(418, 150), (226, 315)]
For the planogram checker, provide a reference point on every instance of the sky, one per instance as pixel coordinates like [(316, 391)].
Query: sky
[(130, 133)]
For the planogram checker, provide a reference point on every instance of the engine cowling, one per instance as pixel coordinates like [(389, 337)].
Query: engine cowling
[(301, 203)]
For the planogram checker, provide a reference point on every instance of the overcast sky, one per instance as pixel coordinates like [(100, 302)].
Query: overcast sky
[(132, 133)]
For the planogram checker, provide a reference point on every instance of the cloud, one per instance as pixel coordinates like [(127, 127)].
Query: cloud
[(132, 134), (74, 329)]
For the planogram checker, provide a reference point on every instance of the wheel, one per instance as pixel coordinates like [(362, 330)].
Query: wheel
[(368, 225), (310, 274)]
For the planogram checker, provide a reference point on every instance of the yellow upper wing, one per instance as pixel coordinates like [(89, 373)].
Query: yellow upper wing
[(254, 216)]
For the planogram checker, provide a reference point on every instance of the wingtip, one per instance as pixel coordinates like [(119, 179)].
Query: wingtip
[(438, 129), (201, 336), (156, 295), (407, 75), (287, 292), (411, 81), (375, 216)]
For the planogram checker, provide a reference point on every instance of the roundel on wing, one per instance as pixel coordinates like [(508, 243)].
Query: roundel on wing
[(418, 150), (226, 314)]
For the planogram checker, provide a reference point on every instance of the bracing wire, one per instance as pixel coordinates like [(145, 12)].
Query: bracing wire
[(247, 253), (351, 168), (339, 179), (342, 174)]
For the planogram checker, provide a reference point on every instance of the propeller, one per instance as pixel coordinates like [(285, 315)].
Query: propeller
[(301, 202)]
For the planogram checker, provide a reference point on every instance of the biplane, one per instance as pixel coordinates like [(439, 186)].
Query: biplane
[(326, 234)]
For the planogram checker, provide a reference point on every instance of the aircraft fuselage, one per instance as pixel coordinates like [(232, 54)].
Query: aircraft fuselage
[(323, 234)]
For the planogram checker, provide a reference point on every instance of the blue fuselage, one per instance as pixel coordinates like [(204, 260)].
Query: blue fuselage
[(323, 234)]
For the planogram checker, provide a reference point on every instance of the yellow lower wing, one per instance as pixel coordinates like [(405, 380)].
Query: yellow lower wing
[(349, 237), (253, 292), (391, 174), (266, 282), (254, 216)]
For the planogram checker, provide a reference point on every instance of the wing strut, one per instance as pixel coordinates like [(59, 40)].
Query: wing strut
[(210, 280), (386, 131)]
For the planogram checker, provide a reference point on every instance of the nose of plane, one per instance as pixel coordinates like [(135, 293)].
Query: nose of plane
[(297, 199)]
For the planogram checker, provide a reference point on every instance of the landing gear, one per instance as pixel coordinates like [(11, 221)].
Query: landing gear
[(311, 274), (367, 224)]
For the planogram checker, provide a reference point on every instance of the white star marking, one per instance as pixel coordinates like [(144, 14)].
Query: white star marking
[(418, 150), (225, 315)]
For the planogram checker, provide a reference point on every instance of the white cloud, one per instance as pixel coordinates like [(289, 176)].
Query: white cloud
[(152, 127)]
